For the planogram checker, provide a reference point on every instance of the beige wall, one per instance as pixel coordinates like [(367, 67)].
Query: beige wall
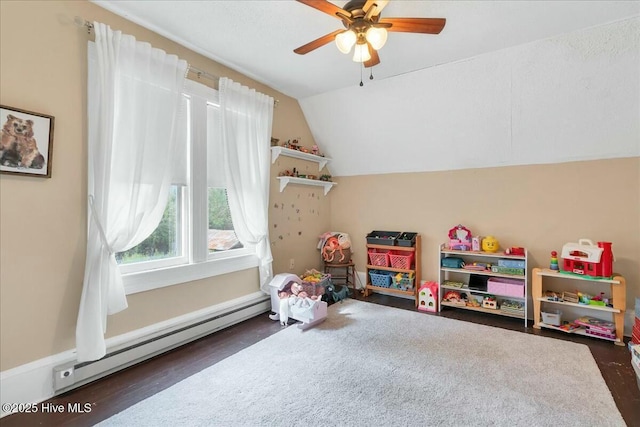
[(540, 207), (43, 221)]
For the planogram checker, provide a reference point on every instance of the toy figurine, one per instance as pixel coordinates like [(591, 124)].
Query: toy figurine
[(554, 261), (490, 244)]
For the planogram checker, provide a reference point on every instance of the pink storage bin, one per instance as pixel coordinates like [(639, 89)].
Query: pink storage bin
[(505, 287), (401, 259), (378, 258)]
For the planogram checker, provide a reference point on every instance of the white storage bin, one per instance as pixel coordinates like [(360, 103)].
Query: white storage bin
[(552, 317)]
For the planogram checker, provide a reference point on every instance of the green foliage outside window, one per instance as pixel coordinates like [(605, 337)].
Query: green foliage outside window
[(162, 243), (219, 214)]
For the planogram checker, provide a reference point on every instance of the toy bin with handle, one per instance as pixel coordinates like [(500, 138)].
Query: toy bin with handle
[(379, 258), (553, 318), (401, 260)]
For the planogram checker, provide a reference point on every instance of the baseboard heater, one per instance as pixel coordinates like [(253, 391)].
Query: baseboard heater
[(72, 375)]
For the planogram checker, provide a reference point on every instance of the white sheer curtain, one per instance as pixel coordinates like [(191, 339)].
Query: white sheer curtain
[(246, 120), (134, 94)]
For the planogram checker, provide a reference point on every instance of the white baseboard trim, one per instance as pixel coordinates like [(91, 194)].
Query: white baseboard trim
[(33, 382)]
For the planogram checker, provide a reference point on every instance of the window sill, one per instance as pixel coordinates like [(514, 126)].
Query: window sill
[(162, 277)]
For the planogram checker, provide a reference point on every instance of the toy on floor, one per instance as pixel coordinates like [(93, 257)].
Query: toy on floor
[(427, 297), (292, 298)]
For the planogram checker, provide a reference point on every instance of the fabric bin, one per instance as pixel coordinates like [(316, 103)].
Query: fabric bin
[(505, 287)]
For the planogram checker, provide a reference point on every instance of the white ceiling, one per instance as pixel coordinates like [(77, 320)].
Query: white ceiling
[(504, 83), (257, 38)]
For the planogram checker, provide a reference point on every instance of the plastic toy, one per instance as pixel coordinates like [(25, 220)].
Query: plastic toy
[(598, 300), (553, 265), (490, 301), (490, 244), (460, 238), (428, 297), (453, 297), (587, 259), (514, 250), (476, 243), (290, 299)]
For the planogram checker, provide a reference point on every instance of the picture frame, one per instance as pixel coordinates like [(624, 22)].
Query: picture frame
[(26, 147)]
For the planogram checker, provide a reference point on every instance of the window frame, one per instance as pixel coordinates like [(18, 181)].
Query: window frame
[(196, 262)]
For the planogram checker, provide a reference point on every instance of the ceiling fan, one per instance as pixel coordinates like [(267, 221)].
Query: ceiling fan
[(365, 29)]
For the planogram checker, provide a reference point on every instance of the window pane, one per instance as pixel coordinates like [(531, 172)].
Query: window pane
[(164, 242), (221, 236)]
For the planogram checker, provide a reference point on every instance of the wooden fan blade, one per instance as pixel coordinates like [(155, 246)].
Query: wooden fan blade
[(319, 42), (326, 7), (375, 59), (415, 25), (377, 5)]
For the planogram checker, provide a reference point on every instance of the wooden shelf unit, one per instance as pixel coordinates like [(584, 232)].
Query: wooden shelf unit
[(480, 256), (618, 288), (416, 249), (286, 180)]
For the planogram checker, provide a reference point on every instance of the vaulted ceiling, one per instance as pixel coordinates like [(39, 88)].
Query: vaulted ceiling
[(350, 122)]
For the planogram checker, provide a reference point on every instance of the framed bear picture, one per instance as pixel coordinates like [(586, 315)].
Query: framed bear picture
[(27, 141)]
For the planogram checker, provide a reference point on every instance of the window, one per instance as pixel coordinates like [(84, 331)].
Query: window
[(195, 238)]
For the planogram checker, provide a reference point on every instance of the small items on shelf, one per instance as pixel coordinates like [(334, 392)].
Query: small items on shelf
[(393, 263), (581, 298), (602, 305), (496, 282)]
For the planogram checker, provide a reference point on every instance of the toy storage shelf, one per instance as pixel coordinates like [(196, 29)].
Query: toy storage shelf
[(618, 293), (369, 288), (285, 180), (480, 273), (481, 309), (282, 151), (480, 256)]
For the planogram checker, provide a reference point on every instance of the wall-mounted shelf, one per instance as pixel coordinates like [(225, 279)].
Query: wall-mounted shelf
[(284, 180), (282, 151)]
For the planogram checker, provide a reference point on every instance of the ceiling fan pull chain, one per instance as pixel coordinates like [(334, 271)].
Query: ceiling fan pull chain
[(361, 67), (371, 75)]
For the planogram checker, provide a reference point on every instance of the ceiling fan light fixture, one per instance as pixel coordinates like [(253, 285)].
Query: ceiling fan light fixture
[(345, 41), (376, 37), (361, 53)]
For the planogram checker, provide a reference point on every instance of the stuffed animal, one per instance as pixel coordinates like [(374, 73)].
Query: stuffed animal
[(335, 247)]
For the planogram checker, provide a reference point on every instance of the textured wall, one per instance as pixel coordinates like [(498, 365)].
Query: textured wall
[(570, 97), (540, 207), (43, 221)]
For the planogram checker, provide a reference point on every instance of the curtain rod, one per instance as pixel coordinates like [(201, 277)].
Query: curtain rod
[(81, 22)]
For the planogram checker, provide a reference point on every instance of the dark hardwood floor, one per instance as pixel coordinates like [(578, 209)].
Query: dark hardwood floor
[(121, 390)]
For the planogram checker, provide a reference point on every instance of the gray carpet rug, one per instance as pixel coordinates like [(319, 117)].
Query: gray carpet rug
[(370, 365)]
